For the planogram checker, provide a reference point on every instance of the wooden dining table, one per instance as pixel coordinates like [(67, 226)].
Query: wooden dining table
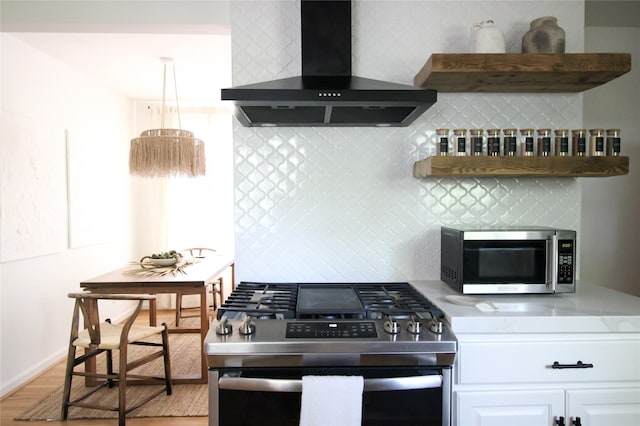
[(194, 279)]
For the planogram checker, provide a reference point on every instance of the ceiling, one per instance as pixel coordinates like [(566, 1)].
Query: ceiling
[(120, 43), (131, 63)]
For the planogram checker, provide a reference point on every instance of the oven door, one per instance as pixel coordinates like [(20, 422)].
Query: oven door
[(391, 396)]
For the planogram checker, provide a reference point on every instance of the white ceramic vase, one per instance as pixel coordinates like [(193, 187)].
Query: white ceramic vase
[(486, 38)]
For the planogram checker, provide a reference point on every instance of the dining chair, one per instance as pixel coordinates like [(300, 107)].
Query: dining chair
[(216, 289), (97, 336)]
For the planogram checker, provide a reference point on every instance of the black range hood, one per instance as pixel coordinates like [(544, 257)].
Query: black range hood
[(327, 95)]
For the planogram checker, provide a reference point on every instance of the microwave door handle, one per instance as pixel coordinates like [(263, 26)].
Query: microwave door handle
[(295, 386)]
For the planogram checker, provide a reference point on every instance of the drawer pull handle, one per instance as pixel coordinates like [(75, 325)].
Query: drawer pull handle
[(576, 422), (557, 366), (558, 421)]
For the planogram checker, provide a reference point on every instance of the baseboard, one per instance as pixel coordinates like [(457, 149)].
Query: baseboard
[(24, 378), (17, 382)]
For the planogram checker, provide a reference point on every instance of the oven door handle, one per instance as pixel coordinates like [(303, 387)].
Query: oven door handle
[(295, 386)]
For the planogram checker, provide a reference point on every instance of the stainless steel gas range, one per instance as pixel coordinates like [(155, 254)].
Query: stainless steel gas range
[(267, 336)]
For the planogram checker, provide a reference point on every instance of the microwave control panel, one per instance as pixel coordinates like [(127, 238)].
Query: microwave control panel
[(565, 261)]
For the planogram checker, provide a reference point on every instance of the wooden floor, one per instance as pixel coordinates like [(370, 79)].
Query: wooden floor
[(17, 402)]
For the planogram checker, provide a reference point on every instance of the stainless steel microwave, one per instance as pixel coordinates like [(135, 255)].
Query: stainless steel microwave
[(508, 260)]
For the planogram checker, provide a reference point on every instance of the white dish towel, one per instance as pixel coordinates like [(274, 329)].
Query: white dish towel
[(331, 401)]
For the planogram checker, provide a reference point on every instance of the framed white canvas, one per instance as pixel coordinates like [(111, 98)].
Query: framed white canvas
[(33, 188)]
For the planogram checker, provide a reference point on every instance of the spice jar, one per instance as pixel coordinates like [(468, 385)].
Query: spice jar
[(527, 142), (460, 142), (510, 142), (562, 142), (613, 142), (596, 142), (579, 142), (442, 143), (476, 141), (493, 142), (544, 142)]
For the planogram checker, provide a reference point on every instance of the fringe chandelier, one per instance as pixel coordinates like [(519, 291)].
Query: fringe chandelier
[(167, 152)]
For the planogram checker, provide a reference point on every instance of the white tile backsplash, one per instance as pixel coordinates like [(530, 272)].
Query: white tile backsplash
[(335, 204)]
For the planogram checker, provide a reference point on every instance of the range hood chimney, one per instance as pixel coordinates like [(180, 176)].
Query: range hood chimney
[(327, 95)]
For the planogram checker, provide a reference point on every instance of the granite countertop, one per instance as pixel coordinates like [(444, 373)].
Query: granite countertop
[(591, 309)]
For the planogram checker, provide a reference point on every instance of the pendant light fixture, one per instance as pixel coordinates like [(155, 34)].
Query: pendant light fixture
[(167, 152)]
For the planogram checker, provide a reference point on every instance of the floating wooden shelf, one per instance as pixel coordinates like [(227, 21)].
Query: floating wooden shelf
[(521, 72), (451, 166)]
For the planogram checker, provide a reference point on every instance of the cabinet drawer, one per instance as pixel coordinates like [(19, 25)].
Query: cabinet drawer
[(531, 362)]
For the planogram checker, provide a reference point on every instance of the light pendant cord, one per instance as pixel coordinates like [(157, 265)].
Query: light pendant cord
[(164, 92), (175, 86)]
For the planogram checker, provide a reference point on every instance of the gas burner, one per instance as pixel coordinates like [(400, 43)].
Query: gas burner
[(267, 301), (396, 314)]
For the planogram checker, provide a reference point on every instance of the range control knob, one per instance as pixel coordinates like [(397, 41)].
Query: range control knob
[(247, 326), (223, 328), (414, 326), (391, 326), (436, 326)]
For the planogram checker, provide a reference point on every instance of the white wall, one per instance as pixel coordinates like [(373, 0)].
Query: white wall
[(35, 313), (611, 207), (341, 204)]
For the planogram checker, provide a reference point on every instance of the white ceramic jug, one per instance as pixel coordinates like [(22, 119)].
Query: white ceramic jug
[(486, 38)]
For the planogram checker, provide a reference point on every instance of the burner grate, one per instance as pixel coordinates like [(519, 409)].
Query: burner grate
[(392, 298), (262, 300), (280, 300)]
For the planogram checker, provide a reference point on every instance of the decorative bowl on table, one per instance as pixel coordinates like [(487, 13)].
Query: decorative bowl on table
[(161, 260)]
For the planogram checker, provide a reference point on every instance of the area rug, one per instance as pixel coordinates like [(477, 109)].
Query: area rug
[(185, 401)]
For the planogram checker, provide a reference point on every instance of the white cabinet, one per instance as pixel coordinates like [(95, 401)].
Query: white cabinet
[(586, 407), (500, 408), (605, 407), (511, 379)]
